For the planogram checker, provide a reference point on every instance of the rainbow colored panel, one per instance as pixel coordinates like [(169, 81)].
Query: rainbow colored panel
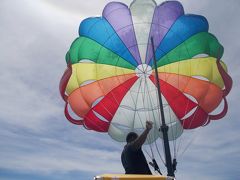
[(110, 82)]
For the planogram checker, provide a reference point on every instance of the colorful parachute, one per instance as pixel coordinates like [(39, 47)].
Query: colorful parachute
[(110, 83)]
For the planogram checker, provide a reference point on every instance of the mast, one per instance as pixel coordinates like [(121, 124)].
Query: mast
[(164, 127)]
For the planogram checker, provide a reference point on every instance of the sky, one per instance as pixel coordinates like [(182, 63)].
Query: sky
[(37, 142)]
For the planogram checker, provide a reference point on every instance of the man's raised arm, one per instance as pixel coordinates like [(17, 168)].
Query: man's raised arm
[(137, 144)]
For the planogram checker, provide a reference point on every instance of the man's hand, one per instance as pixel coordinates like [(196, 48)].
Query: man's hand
[(149, 125), (137, 144)]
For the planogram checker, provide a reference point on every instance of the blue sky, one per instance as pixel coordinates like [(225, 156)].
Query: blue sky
[(37, 142)]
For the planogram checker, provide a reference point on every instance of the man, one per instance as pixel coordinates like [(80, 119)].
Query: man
[(133, 159)]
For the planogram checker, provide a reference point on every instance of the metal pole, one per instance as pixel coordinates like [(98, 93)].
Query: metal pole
[(164, 127)]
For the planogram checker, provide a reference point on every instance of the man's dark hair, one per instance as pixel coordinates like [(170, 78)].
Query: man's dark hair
[(131, 136)]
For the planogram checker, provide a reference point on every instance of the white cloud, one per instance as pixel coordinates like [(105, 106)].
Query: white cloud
[(34, 135), (45, 155)]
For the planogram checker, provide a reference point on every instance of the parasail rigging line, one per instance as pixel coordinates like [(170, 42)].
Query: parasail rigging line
[(147, 112), (155, 119), (185, 112), (145, 91), (189, 143), (159, 119), (164, 127), (135, 104), (174, 135), (172, 132), (160, 122), (143, 126), (180, 140)]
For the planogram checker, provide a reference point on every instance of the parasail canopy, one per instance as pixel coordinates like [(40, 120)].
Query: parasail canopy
[(110, 82)]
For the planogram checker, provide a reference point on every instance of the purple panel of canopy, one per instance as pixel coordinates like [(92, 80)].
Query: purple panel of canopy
[(119, 16), (164, 17)]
